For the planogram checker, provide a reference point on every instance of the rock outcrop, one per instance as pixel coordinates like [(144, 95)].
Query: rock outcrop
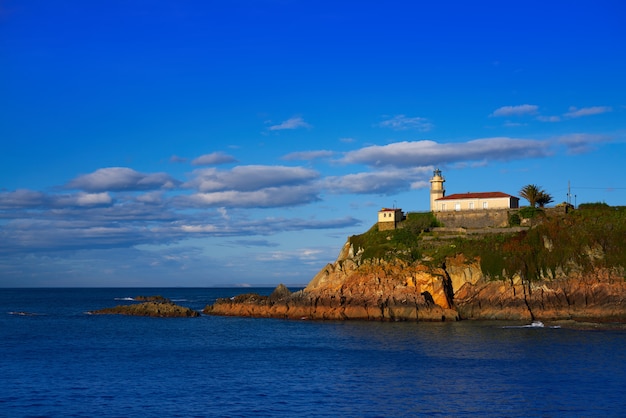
[(596, 296), (351, 288), (164, 309)]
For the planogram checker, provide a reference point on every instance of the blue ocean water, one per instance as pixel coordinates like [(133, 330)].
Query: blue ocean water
[(56, 360)]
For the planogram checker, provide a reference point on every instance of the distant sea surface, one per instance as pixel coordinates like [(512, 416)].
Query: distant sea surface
[(57, 360)]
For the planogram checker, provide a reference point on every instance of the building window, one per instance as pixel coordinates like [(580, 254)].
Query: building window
[(443, 207), (484, 205), (457, 207), (471, 205)]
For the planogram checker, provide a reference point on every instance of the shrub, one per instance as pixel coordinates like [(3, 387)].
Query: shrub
[(514, 220), (529, 212)]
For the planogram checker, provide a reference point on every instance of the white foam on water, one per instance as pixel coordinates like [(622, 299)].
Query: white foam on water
[(534, 324)]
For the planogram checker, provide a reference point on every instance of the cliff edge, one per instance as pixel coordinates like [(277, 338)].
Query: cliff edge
[(563, 269)]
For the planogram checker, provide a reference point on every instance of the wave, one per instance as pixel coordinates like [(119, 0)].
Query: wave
[(534, 324), (125, 298), (22, 313)]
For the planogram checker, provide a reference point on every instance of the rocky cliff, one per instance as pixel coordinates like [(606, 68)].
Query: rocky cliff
[(397, 290), (541, 283)]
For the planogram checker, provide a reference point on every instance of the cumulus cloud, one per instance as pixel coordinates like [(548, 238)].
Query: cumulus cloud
[(85, 199), (380, 182), (151, 198), (269, 197), (29, 199), (249, 178), (403, 123), (586, 111), (214, 158), (292, 123), (129, 224), (519, 110), (422, 153), (121, 178), (386, 182), (308, 155), (22, 198)]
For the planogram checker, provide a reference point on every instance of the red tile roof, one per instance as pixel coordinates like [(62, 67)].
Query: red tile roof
[(480, 195)]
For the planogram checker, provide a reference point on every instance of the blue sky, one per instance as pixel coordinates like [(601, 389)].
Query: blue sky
[(206, 143)]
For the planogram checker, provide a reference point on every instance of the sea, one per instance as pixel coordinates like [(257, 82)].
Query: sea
[(57, 360)]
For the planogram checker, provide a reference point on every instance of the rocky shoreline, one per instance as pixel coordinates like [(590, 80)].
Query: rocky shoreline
[(396, 290)]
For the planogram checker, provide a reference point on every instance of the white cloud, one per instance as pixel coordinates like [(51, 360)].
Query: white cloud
[(403, 123), (423, 153), (549, 118), (213, 159), (154, 197), (581, 143), (520, 110), (93, 199), (223, 213), (270, 197), (586, 111), (250, 177), (420, 184), (198, 228), (384, 182), (300, 255), (28, 199), (308, 155), (22, 198), (292, 123), (121, 178)]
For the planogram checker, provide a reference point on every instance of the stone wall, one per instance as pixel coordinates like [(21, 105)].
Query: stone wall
[(386, 226), (491, 218)]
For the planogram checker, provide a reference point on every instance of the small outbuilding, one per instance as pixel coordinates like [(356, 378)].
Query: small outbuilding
[(389, 218)]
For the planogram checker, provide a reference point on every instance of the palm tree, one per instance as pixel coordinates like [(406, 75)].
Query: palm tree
[(535, 195), (543, 199), (531, 192)]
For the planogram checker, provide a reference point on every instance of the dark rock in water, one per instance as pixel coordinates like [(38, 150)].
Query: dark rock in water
[(154, 309), (157, 298), (280, 293)]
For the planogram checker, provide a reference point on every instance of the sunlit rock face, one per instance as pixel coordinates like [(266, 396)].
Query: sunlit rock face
[(598, 296), (351, 288)]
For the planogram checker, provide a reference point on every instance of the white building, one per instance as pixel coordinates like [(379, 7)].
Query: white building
[(476, 201), (439, 202)]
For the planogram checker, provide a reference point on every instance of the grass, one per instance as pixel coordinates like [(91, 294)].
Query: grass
[(594, 235)]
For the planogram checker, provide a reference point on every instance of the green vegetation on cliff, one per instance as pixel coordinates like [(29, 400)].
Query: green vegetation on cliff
[(401, 243), (593, 236)]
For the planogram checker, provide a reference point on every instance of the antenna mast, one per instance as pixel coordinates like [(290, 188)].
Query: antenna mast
[(569, 193)]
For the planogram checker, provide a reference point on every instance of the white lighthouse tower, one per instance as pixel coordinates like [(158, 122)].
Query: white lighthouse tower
[(436, 188)]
